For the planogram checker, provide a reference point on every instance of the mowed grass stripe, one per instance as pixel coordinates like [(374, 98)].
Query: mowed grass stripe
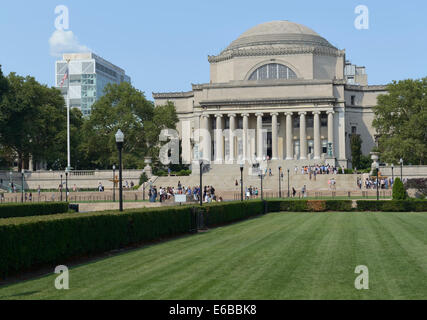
[(277, 256)]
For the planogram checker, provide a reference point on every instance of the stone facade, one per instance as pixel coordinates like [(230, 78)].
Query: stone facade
[(287, 84)]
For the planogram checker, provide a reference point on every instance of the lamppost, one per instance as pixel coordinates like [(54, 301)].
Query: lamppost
[(120, 138), (401, 169), (201, 182), (280, 182), (289, 191), (114, 183), (22, 186), (61, 187), (378, 192), (392, 173), (67, 170), (241, 181), (262, 193)]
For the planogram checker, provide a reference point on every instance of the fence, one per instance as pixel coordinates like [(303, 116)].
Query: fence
[(72, 197), (361, 194)]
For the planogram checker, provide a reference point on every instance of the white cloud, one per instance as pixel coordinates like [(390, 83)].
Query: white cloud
[(65, 42)]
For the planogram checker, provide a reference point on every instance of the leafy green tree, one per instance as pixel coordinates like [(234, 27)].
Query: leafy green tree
[(4, 84), (400, 120), (356, 150), (399, 192), (365, 162), (126, 108), (31, 117)]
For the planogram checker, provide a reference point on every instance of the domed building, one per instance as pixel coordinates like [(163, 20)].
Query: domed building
[(279, 92)]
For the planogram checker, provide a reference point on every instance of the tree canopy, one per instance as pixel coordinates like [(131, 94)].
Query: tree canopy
[(126, 108), (32, 118), (400, 121)]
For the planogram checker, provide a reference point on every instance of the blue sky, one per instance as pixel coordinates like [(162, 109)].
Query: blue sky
[(163, 45)]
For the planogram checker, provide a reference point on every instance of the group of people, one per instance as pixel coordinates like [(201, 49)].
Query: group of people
[(318, 169), (251, 193), (165, 193), (384, 183)]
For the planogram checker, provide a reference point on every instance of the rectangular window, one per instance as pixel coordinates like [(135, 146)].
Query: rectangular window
[(353, 100), (310, 121), (353, 130), (324, 120)]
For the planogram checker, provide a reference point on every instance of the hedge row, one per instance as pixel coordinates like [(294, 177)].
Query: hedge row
[(392, 206), (221, 213), (34, 241), (26, 243), (308, 205), (11, 210), (346, 205)]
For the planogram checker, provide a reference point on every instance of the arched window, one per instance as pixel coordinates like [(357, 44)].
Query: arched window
[(273, 71)]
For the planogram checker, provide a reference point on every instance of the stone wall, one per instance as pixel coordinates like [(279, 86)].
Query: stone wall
[(82, 179)]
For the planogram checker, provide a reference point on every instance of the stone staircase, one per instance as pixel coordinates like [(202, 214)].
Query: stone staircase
[(223, 178)]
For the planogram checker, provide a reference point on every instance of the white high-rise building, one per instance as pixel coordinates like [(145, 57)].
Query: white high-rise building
[(88, 75)]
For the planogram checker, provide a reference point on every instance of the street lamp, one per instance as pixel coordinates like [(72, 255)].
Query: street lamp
[(201, 182), (241, 181), (262, 193), (401, 169), (289, 192), (392, 173), (67, 170), (114, 183), (22, 187), (120, 138), (378, 170), (61, 187), (280, 182)]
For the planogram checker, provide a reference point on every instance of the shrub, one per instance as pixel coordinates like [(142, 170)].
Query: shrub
[(392, 206), (11, 210), (419, 184), (221, 213), (143, 179), (339, 205), (316, 205), (33, 241), (293, 205), (399, 192), (310, 205)]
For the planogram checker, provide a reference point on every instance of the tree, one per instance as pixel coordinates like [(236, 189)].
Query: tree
[(126, 108), (399, 192), (4, 84), (356, 150), (400, 119), (419, 184), (31, 117)]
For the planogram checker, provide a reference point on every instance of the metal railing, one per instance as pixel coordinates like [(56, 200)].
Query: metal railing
[(363, 194)]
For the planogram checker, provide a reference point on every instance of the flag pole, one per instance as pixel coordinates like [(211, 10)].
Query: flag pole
[(68, 117)]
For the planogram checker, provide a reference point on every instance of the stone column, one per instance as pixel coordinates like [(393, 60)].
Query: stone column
[(289, 136), (331, 130), (206, 147), (232, 117), (245, 136), (219, 140), (259, 136), (303, 136), (316, 135), (274, 135)]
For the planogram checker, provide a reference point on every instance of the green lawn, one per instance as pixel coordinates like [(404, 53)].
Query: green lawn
[(277, 256)]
